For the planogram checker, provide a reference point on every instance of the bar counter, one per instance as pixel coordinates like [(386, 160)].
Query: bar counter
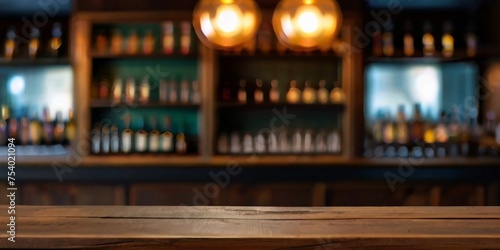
[(134, 227)]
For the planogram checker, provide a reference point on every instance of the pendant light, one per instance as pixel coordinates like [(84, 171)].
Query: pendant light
[(226, 24), (307, 24)]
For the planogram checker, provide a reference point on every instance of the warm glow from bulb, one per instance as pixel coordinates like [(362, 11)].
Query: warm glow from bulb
[(229, 19), (308, 19)]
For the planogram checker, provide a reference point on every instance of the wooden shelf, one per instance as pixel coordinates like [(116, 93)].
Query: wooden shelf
[(268, 105), (109, 56), (277, 56), (110, 104), (140, 160), (34, 62)]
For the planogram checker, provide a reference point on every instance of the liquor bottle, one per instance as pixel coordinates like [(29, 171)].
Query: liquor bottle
[(235, 143), (223, 143), (24, 129), (274, 93), (48, 128), (323, 93), (429, 139), (3, 125), (258, 94), (127, 134), (101, 42), (154, 137), (272, 143), (116, 42), (294, 94), (167, 138), (334, 144), (409, 44), (465, 136), (10, 43), (163, 92), (226, 93), (248, 147), (320, 142), (264, 38), (168, 38), (185, 37), (417, 125), (115, 139), (283, 143), (297, 143), (471, 41), (173, 92), (141, 138), (180, 144), (195, 95), (184, 93), (388, 40), (388, 130), (144, 90), (454, 132), (428, 40), (490, 125), (34, 42), (148, 43), (337, 95), (378, 128), (130, 90), (242, 92), (117, 90), (309, 94), (103, 89), (59, 128), (441, 135), (35, 130), (105, 139), (308, 141), (377, 47), (56, 41), (96, 139), (447, 40), (133, 43), (401, 126)]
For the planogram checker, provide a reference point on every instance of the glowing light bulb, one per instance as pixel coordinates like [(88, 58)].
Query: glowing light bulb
[(308, 21), (228, 18), (16, 85)]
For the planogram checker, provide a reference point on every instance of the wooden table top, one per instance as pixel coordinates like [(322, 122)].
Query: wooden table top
[(132, 227)]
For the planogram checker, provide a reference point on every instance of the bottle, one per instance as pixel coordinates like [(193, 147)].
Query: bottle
[(226, 93), (223, 143), (388, 131), (144, 90), (454, 127), (248, 143), (465, 136), (490, 123), (168, 38), (377, 47), (258, 94), (321, 142), (48, 128), (309, 94), (180, 144), (447, 40), (297, 144), (441, 135), (323, 93), (428, 40), (10, 44), (429, 139), (59, 128), (56, 41), (117, 90), (294, 94), (141, 138), (24, 138), (274, 93), (116, 42), (196, 95), (264, 38), (378, 128), (337, 95), (126, 135), (148, 43), (130, 90), (163, 96), (235, 143), (167, 138), (401, 126), (272, 142), (133, 43), (104, 89), (35, 130), (185, 38), (101, 42), (105, 139), (184, 91), (173, 92), (497, 134), (96, 139), (417, 125), (260, 143), (114, 140), (409, 45), (471, 41), (308, 142), (334, 142), (242, 93), (3, 125), (387, 40), (34, 42)]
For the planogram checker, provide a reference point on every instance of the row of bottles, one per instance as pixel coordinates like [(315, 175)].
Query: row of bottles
[(454, 134), (13, 40), (33, 131), (383, 42), (294, 95), (133, 43), (169, 91), (106, 139), (283, 142)]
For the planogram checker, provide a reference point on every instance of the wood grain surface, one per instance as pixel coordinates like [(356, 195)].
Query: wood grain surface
[(134, 227)]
